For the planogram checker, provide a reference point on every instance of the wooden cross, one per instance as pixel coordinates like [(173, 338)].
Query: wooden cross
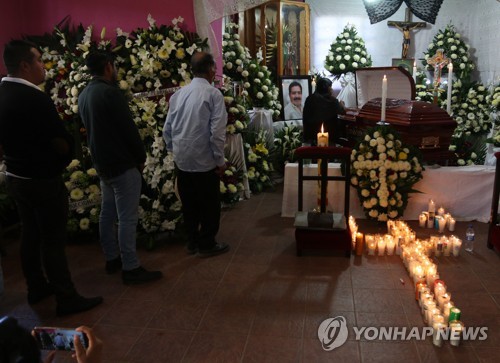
[(438, 61), (405, 26)]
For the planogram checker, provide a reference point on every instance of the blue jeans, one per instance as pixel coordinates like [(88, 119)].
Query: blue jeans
[(120, 202)]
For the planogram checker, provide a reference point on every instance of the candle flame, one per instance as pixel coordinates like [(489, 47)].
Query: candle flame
[(385, 78), (322, 130), (414, 63)]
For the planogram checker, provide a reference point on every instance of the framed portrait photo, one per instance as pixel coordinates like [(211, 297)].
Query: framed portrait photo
[(294, 90)]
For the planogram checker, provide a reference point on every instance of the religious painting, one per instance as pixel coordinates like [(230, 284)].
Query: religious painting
[(406, 63), (294, 90)]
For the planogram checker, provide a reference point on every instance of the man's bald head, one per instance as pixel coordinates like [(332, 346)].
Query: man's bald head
[(202, 64)]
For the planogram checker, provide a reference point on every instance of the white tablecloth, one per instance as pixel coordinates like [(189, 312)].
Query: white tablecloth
[(465, 192)]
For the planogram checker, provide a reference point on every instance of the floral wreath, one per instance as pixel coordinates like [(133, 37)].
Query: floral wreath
[(384, 170)]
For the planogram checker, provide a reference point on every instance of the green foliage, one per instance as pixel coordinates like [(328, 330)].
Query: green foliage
[(286, 140)]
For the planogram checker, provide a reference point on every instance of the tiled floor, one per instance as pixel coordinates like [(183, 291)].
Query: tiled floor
[(261, 303)]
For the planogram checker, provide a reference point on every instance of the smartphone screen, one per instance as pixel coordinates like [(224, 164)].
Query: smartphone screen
[(58, 338)]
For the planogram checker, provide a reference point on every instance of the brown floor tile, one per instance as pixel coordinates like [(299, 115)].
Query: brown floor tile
[(389, 352), (260, 302), (314, 352), (160, 346), (228, 318), (429, 353), (262, 349), (274, 322), (210, 347)]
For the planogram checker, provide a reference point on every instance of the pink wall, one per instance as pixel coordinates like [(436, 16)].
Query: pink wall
[(40, 16)]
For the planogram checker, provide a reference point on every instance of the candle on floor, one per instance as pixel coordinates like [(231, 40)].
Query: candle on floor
[(441, 223), (322, 137), (359, 243), (371, 244), (457, 245), (446, 310), (432, 206), (451, 224), (381, 245), (456, 329), (390, 244), (422, 220), (439, 334), (455, 314), (440, 211)]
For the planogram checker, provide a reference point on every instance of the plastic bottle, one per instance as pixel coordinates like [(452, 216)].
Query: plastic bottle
[(469, 239)]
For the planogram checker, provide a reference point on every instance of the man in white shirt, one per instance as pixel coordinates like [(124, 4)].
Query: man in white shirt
[(195, 131)]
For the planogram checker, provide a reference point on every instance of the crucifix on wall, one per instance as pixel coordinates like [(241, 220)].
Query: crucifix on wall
[(406, 26)]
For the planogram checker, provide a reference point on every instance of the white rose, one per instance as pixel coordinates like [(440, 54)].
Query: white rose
[(339, 57), (349, 41), (342, 66), (347, 57), (355, 64)]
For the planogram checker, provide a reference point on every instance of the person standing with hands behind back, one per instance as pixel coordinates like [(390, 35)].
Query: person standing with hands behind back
[(118, 155), (195, 131), (36, 149)]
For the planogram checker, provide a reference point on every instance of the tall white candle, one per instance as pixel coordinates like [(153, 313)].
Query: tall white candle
[(415, 71), (450, 83), (432, 206), (384, 97)]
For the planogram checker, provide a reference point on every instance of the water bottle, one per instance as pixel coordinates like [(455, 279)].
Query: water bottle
[(469, 239)]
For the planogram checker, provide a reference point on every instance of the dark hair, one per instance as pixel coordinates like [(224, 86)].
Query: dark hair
[(16, 343), (97, 60), (201, 63), (15, 52), (294, 84), (323, 86)]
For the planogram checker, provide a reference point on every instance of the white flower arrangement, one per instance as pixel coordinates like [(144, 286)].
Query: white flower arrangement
[(347, 53), (84, 197), (383, 171), (453, 47)]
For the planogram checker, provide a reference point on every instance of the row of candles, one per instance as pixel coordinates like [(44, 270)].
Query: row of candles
[(438, 311), (390, 244), (440, 221)]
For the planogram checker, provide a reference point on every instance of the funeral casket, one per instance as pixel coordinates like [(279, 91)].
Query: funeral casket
[(421, 124)]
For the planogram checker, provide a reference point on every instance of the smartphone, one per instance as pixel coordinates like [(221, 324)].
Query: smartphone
[(50, 338)]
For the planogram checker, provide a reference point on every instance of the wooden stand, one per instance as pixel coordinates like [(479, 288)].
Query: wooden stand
[(494, 229)]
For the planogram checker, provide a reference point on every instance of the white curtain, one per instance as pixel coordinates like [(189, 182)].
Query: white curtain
[(206, 11)]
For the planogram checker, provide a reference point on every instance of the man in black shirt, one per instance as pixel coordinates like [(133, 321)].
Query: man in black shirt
[(36, 150)]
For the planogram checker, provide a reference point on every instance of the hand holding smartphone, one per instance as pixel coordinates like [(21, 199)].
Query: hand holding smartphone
[(52, 338)]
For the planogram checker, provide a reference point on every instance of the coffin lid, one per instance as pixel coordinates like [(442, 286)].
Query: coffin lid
[(400, 84)]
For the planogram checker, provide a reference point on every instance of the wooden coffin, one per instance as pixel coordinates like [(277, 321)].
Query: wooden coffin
[(420, 124)]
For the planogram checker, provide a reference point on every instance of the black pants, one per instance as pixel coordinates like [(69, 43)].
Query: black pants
[(200, 197), (43, 208)]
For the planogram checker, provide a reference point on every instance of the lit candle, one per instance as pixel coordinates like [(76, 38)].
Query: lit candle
[(313, 84), (457, 245), (432, 278), (443, 299), (456, 328), (439, 334), (381, 245), (438, 247), (390, 244), (455, 313), (446, 310), (441, 211), (441, 223), (415, 71), (371, 244), (422, 220), (322, 137), (359, 243), (384, 97), (450, 83), (432, 206), (451, 223), (439, 287), (448, 246)]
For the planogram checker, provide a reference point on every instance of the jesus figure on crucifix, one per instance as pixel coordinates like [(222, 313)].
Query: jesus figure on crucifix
[(406, 26)]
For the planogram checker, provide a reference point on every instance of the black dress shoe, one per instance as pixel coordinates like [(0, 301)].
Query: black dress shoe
[(140, 275), (113, 266), (218, 249), (37, 295), (77, 304)]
